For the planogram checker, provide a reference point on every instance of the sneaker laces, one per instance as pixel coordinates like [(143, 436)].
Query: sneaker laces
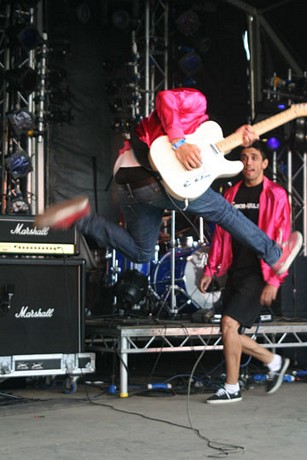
[(221, 392), (272, 374)]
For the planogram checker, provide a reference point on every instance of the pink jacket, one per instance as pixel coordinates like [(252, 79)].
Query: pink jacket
[(178, 112), (274, 219)]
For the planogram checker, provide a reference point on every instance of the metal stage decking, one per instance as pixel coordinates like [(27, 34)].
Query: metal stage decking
[(126, 337)]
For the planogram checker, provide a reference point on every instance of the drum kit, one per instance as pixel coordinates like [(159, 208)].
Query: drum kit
[(166, 287)]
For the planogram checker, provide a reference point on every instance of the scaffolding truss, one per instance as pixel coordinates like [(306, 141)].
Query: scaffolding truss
[(22, 89)]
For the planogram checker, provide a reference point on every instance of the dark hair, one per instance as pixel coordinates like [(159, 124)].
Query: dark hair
[(260, 146)]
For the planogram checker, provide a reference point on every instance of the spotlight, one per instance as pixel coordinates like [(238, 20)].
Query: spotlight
[(121, 19), (273, 143), (25, 79), (21, 122), (18, 164), (300, 130), (17, 204), (131, 290), (188, 23), (26, 35), (190, 63)]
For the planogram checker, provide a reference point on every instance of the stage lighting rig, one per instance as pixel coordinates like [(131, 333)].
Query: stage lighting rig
[(131, 290), (188, 23), (121, 19), (18, 164), (21, 122), (190, 63), (300, 132), (22, 79), (16, 202), (273, 143), (25, 35)]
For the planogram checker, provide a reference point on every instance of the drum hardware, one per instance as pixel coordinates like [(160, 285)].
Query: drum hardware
[(189, 296), (189, 266), (172, 280)]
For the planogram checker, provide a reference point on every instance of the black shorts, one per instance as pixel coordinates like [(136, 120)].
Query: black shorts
[(241, 297)]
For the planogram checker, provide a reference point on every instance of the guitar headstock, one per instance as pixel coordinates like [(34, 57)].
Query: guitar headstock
[(300, 110)]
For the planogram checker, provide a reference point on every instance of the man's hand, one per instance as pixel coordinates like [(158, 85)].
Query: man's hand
[(269, 293), (249, 135), (204, 283), (189, 155)]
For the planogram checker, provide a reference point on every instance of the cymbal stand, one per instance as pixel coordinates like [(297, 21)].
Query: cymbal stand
[(173, 309)]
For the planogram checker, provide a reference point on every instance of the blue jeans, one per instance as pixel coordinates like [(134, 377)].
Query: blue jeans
[(143, 209)]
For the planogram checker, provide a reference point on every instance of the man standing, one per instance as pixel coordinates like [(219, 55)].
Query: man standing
[(251, 283)]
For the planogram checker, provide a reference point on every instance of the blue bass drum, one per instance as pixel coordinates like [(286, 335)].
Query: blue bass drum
[(119, 264), (189, 267)]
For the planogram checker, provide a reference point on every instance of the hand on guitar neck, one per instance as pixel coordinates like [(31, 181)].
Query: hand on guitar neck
[(249, 135)]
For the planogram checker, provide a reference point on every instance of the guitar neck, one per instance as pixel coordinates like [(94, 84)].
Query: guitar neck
[(236, 139)]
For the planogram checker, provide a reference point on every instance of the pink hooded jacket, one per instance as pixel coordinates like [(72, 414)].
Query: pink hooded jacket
[(274, 219)]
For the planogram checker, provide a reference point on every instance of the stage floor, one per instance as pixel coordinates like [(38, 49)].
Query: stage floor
[(127, 336)]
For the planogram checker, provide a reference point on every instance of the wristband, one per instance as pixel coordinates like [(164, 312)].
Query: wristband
[(178, 144)]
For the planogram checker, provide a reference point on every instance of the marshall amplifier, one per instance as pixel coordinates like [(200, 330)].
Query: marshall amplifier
[(41, 306), (19, 235)]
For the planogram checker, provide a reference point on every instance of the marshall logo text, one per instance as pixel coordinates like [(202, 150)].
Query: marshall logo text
[(26, 313), (21, 230)]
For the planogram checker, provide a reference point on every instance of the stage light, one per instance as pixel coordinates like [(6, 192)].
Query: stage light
[(23, 79), (18, 164), (26, 35), (190, 63), (131, 289), (273, 143), (121, 19), (188, 23), (300, 130), (21, 122)]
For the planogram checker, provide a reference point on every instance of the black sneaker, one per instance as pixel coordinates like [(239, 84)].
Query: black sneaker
[(276, 378), (222, 396)]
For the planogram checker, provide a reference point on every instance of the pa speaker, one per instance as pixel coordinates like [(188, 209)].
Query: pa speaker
[(41, 306)]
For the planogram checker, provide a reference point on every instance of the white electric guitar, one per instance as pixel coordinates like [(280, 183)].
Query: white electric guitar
[(188, 185)]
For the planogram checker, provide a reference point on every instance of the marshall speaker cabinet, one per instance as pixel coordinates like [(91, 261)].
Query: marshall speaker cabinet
[(42, 316)]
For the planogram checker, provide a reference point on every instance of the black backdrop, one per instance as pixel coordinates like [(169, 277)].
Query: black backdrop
[(81, 151)]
